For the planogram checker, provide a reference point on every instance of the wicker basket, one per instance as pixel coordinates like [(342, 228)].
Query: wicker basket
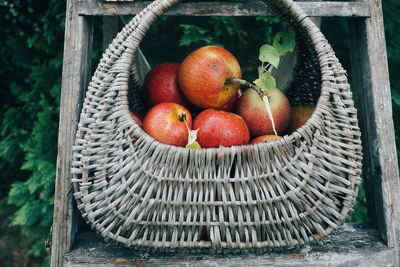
[(144, 194)]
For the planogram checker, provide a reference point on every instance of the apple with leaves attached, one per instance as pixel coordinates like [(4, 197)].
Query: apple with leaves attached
[(161, 85), (264, 107), (254, 111), (204, 77), (220, 128), (168, 123)]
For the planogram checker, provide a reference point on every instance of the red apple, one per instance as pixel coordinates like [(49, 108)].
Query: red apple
[(161, 85), (203, 77), (300, 115), (165, 122), (252, 108), (220, 128), (230, 106), (265, 138), (137, 116)]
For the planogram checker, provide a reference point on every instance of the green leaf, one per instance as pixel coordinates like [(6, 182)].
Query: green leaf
[(266, 82), (19, 194), (396, 97), (194, 35), (284, 42), (269, 54), (194, 145)]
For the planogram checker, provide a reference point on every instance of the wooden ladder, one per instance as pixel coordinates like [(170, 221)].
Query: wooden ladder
[(357, 245)]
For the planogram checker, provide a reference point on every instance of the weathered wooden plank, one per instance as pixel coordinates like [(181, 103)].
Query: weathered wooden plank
[(76, 71), (225, 8), (372, 94), (351, 245)]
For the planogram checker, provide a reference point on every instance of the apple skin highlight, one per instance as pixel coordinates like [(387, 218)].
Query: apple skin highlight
[(165, 122), (252, 108), (220, 128), (161, 85), (203, 77), (265, 138)]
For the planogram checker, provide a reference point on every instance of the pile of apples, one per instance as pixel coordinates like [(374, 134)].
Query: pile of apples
[(199, 104)]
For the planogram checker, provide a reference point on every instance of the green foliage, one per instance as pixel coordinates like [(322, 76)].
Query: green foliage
[(284, 42), (360, 213), (34, 198), (391, 9), (193, 34), (266, 82), (269, 54), (31, 58)]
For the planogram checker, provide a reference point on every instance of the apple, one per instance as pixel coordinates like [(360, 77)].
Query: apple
[(168, 123), (230, 106), (252, 108), (137, 116), (265, 138), (300, 115), (220, 128), (203, 77), (161, 85)]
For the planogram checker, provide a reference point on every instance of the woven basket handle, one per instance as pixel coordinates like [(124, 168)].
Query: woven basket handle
[(127, 42), (336, 96)]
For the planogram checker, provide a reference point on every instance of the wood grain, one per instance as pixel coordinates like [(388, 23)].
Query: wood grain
[(224, 8), (372, 94), (351, 245), (76, 72)]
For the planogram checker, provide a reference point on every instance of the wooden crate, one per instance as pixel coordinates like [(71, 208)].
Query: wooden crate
[(359, 245)]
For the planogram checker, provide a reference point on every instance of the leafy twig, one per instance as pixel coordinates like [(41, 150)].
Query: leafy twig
[(246, 83)]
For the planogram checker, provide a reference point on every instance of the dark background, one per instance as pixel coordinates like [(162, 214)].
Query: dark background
[(31, 51)]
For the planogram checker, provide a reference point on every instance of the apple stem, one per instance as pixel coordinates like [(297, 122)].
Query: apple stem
[(182, 117), (269, 68), (248, 84), (264, 68)]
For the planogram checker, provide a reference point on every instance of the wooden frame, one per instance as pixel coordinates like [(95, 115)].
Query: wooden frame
[(225, 8), (372, 96), (75, 77), (352, 245)]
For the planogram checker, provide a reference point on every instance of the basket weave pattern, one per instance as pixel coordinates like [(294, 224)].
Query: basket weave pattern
[(141, 193)]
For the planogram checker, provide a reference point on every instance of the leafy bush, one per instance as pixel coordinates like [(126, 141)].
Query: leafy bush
[(31, 58)]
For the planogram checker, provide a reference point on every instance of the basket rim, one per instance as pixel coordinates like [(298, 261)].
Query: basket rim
[(310, 27)]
